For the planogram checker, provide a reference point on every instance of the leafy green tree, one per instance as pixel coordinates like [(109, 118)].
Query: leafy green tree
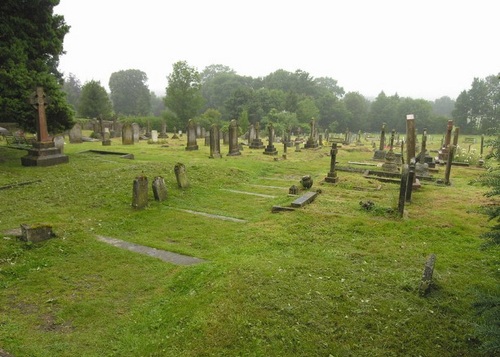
[(329, 85), (477, 110), (184, 96), (31, 42), (209, 117), (358, 107), (384, 109), (443, 106), (130, 94), (307, 110), (73, 89), (94, 101), (157, 104)]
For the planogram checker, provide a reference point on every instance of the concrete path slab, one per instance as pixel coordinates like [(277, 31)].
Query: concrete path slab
[(174, 258)]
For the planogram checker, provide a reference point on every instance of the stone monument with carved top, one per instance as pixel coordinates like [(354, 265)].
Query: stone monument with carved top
[(43, 151)]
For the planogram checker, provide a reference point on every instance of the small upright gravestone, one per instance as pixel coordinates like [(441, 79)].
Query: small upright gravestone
[(234, 149), (425, 283), (136, 132), (154, 136), (59, 142), (270, 149), (311, 142), (36, 233), (256, 141), (214, 142), (181, 176), (127, 134), (380, 153), (75, 134), (332, 175), (159, 189), (140, 192)]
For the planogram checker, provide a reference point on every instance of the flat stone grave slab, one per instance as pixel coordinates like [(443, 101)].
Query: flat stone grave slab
[(123, 155), (304, 199), (248, 193), (216, 216), (174, 258)]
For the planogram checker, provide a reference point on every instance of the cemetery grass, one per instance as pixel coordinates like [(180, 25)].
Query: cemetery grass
[(328, 279)]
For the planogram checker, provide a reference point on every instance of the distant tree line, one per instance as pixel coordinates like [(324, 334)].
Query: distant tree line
[(287, 99)]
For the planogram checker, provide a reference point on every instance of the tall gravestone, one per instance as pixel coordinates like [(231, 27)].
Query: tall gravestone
[(234, 149), (154, 136), (191, 136), (389, 164), (75, 134), (411, 149), (136, 132), (257, 142), (251, 135), (312, 142), (163, 131), (270, 149), (444, 151), (214, 142), (127, 134), (332, 174), (43, 151), (106, 141), (380, 153)]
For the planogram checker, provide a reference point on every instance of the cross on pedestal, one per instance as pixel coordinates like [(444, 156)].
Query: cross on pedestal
[(39, 102)]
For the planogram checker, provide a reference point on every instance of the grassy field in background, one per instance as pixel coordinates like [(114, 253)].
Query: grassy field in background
[(330, 279)]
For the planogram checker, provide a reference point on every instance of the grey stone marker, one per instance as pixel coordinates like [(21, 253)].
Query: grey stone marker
[(426, 281), (181, 176), (154, 136), (270, 149), (59, 143), (402, 191), (75, 134), (443, 153), (140, 192), (234, 149), (127, 134), (390, 157), (332, 175), (163, 131), (104, 133), (380, 153), (215, 142), (159, 189), (256, 141), (136, 132), (191, 136), (311, 142), (36, 233)]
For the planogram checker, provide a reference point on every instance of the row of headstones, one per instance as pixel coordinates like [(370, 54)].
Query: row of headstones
[(140, 191)]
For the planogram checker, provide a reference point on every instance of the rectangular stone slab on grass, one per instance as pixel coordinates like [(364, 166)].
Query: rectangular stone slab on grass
[(304, 199)]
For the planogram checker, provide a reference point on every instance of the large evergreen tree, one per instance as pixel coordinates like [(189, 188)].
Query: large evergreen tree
[(31, 41), (94, 101)]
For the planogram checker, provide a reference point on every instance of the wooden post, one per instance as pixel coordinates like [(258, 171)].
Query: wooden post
[(410, 137)]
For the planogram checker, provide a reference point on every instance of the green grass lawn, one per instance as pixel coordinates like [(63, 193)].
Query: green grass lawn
[(330, 279)]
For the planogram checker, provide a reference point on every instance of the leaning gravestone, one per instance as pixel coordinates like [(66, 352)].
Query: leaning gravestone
[(140, 192), (181, 176), (159, 189), (75, 134), (127, 134)]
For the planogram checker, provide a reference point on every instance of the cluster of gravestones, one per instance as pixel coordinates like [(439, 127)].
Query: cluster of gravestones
[(140, 191)]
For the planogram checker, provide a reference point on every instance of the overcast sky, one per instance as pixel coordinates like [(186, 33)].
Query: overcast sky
[(420, 49)]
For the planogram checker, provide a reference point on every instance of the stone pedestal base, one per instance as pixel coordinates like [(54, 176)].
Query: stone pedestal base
[(379, 155), (332, 177), (311, 144), (270, 150), (192, 147), (256, 144), (44, 154), (106, 142)]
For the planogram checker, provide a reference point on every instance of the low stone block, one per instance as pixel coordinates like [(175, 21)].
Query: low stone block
[(305, 199), (36, 233)]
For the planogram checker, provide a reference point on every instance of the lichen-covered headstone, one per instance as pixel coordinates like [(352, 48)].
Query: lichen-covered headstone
[(75, 134), (127, 134), (36, 233), (181, 176), (140, 192), (159, 189), (59, 142)]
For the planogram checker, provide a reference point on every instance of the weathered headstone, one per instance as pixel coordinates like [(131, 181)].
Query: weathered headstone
[(136, 132), (402, 190), (163, 131), (425, 283), (389, 164), (140, 192), (234, 149), (270, 149), (75, 134), (451, 152), (43, 151), (311, 142), (104, 133), (214, 142), (127, 134), (332, 177), (59, 142), (154, 136), (444, 151), (306, 181), (181, 176), (256, 141), (191, 136), (159, 189), (380, 153)]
